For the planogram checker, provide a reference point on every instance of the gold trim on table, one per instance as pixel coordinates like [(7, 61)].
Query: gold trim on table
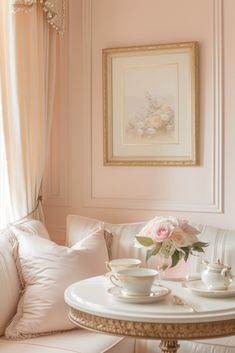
[(150, 330)]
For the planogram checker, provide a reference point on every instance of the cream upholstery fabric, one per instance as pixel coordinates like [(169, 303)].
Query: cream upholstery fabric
[(122, 244), (78, 227), (33, 226), (123, 235), (76, 341), (223, 247), (122, 239), (9, 282)]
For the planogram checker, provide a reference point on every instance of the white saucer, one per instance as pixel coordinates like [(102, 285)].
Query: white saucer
[(199, 288), (154, 296)]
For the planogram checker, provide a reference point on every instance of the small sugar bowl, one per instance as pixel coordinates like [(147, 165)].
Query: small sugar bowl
[(216, 276)]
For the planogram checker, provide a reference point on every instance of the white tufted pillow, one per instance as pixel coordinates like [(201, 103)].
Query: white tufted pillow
[(47, 269)]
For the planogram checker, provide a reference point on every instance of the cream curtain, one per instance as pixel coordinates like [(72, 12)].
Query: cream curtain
[(28, 48)]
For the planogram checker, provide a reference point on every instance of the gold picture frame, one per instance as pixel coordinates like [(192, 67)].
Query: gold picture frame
[(151, 105)]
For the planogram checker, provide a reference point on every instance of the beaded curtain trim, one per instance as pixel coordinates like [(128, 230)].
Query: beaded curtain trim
[(54, 11)]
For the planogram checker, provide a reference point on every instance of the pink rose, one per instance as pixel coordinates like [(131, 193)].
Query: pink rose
[(161, 232)]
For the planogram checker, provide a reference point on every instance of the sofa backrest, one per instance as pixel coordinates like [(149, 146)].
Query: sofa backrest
[(221, 246), (79, 227), (221, 243), (9, 281)]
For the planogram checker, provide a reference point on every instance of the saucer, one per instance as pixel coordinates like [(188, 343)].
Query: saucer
[(154, 296), (199, 288)]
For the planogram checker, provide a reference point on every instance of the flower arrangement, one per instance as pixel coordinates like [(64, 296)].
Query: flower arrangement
[(156, 118), (171, 238)]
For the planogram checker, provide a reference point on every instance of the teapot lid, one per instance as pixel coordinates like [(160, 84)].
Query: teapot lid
[(218, 265)]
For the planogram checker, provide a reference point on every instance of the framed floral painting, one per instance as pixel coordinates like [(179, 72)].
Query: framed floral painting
[(151, 105)]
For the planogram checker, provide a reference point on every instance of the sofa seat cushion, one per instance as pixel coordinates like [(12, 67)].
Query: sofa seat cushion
[(215, 345), (75, 341)]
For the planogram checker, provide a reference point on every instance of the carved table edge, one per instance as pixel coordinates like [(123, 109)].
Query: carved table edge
[(148, 330)]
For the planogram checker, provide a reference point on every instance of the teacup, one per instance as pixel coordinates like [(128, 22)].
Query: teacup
[(135, 282), (116, 265)]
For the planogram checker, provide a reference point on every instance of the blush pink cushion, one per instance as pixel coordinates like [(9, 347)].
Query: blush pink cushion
[(47, 269)]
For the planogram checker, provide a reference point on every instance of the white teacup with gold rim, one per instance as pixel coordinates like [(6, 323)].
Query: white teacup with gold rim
[(135, 282), (116, 265)]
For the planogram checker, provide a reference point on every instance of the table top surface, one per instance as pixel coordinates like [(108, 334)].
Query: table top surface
[(91, 296)]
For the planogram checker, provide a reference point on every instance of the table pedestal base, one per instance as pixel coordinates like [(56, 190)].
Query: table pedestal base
[(169, 346)]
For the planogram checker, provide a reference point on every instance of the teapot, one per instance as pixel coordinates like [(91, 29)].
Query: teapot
[(216, 276)]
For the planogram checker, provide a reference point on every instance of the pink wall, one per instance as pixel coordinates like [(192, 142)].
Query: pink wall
[(76, 181)]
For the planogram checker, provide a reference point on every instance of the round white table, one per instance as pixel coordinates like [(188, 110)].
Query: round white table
[(93, 307)]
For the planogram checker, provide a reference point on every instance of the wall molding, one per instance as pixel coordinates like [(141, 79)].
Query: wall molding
[(215, 205)]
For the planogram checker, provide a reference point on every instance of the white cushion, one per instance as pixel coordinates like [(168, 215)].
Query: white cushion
[(33, 226), (76, 341), (47, 269), (122, 242), (78, 227), (10, 284)]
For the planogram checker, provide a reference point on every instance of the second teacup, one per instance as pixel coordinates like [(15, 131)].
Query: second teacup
[(135, 282), (116, 265)]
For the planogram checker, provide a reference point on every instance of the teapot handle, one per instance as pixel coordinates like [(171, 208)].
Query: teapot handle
[(225, 271)]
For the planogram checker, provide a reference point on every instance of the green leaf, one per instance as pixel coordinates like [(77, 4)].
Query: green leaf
[(164, 267), (198, 249), (154, 251), (186, 253), (175, 258), (145, 241), (200, 244)]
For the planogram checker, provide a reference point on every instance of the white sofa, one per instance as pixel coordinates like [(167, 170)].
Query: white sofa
[(74, 341), (120, 244)]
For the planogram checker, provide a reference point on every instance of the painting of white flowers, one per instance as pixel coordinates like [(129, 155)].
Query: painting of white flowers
[(150, 105)]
